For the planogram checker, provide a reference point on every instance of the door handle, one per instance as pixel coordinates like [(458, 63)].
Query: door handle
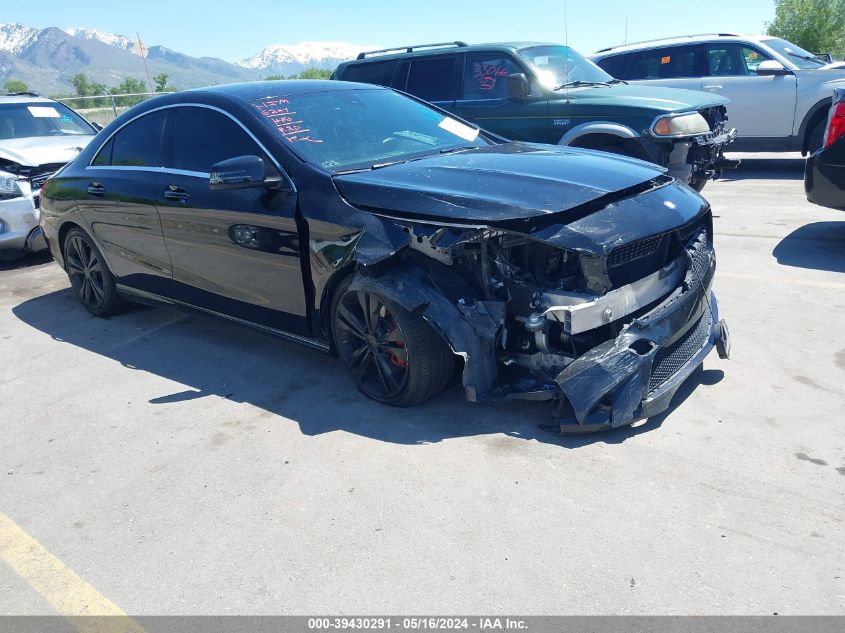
[(96, 190), (176, 193)]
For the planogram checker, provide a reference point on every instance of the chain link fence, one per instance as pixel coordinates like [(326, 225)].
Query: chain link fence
[(103, 109)]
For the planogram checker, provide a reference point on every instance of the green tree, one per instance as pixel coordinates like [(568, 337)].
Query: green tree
[(274, 77), (129, 85), (86, 88), (313, 73), (16, 85), (815, 25), (80, 83), (161, 80)]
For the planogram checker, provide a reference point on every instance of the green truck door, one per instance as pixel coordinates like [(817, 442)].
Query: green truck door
[(483, 99)]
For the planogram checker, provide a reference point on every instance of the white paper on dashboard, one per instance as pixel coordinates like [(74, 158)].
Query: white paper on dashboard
[(44, 112), (459, 129)]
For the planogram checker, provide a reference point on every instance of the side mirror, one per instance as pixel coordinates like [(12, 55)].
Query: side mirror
[(771, 67), (96, 126), (242, 172), (518, 86)]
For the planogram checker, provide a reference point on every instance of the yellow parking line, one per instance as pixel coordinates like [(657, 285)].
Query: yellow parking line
[(789, 281), (63, 588)]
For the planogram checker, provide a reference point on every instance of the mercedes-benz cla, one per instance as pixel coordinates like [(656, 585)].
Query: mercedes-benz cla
[(416, 247)]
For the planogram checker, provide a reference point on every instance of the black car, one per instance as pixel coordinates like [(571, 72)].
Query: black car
[(367, 224), (824, 173)]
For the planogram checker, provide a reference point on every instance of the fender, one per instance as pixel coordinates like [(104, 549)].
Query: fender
[(597, 127), (811, 113), (468, 324)]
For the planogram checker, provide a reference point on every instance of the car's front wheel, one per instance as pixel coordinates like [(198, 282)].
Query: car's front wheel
[(90, 278), (394, 355), (816, 137)]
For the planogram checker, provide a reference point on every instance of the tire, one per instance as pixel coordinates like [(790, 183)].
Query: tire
[(89, 275), (816, 136), (394, 355), (603, 143)]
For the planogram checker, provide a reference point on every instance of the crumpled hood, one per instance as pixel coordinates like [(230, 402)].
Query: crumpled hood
[(42, 150), (503, 182)]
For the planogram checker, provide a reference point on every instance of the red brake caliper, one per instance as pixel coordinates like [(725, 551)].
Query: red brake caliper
[(399, 362)]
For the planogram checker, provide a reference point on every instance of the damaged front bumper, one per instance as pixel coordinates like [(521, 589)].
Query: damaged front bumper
[(633, 377), (636, 374), (701, 157)]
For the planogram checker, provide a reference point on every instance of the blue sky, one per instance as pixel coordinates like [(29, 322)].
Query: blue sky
[(234, 30)]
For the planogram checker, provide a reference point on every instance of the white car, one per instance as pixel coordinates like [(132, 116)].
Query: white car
[(780, 94), (38, 137)]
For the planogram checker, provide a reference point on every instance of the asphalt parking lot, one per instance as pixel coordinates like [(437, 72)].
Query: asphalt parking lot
[(182, 466)]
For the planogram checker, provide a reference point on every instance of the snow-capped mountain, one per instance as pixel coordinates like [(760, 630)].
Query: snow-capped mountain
[(287, 58), (46, 59), (120, 41), (14, 38)]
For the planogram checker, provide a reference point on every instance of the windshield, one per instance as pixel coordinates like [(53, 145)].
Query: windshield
[(795, 54), (25, 120), (342, 129), (559, 65)]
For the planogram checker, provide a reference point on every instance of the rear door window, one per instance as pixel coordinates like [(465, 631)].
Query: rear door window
[(618, 65), (432, 79), (379, 73), (201, 137), (136, 145), (486, 76), (663, 63)]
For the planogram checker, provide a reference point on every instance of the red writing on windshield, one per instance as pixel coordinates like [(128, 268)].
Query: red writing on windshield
[(278, 111), (486, 74)]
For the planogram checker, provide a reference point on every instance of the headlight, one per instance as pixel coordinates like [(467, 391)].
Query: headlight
[(9, 187), (681, 125)]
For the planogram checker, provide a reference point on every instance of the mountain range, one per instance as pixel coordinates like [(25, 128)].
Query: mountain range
[(45, 59)]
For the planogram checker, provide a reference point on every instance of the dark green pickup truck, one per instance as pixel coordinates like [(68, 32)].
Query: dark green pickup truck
[(548, 93)]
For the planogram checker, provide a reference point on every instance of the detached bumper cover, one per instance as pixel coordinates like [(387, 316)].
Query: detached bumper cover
[(635, 375)]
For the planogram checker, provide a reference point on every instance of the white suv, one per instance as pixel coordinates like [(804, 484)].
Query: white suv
[(780, 94), (38, 136)]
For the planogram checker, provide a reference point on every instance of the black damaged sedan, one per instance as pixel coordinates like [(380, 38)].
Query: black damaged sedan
[(417, 248)]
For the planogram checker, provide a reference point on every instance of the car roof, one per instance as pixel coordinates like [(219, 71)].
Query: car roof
[(250, 91), (448, 48), (682, 39), (24, 97)]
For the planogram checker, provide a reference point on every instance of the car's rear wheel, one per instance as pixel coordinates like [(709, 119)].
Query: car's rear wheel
[(89, 275), (394, 355)]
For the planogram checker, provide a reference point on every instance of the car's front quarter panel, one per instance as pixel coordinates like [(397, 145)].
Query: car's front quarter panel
[(815, 90)]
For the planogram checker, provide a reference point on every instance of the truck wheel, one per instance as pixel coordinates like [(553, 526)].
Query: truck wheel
[(394, 355), (603, 143)]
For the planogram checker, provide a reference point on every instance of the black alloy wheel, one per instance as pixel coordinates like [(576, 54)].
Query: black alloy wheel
[(89, 276), (393, 355)]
